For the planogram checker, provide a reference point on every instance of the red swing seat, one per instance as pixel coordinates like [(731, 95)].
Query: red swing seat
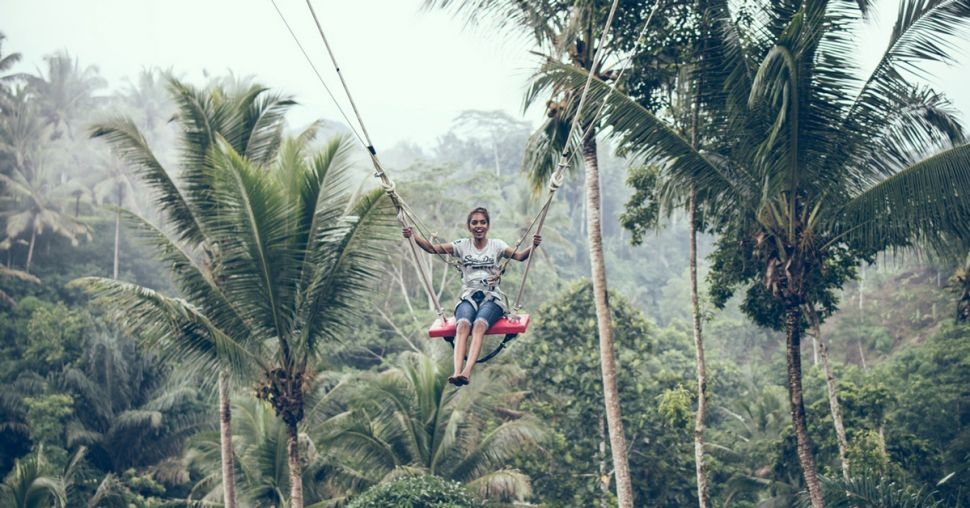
[(504, 326)]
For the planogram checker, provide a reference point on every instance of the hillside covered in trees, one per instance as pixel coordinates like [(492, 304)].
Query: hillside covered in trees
[(187, 276)]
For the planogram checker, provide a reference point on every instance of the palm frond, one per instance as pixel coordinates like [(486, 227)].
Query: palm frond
[(257, 261), (927, 31), (127, 141), (921, 122), (347, 260), (500, 445), (199, 282), (924, 31), (541, 21), (504, 485), (173, 325), (322, 191), (871, 491), (638, 132), (926, 204), (263, 120)]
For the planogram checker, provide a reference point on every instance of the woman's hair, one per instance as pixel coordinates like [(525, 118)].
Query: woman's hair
[(480, 210)]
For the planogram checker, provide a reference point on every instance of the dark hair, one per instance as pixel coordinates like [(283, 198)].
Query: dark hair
[(480, 210)]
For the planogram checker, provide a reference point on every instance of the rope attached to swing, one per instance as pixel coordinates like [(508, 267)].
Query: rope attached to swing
[(404, 213), (558, 176), (385, 181)]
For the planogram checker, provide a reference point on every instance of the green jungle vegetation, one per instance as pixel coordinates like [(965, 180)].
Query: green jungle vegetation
[(181, 264)]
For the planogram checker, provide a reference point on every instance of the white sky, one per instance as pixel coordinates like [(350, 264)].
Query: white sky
[(410, 72)]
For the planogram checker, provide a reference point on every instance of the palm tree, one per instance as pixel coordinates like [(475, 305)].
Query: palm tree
[(570, 31), (405, 418), (268, 246), (66, 92), (816, 169), (115, 188), (31, 484), (6, 62), (128, 412), (251, 120), (32, 196), (261, 443), (38, 213)]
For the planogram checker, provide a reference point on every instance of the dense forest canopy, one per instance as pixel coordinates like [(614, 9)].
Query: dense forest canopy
[(137, 313)]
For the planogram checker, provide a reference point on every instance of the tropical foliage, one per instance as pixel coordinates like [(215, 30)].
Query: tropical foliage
[(202, 233), (406, 419)]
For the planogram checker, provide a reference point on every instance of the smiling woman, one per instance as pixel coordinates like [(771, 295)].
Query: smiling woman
[(481, 303), (379, 41)]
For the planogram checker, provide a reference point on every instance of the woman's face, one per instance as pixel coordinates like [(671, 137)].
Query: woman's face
[(478, 225)]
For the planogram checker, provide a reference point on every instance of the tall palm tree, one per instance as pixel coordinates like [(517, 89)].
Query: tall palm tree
[(268, 245), (251, 121), (116, 189), (570, 32), (406, 418), (817, 168)]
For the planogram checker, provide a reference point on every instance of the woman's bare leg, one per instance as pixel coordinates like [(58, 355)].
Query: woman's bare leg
[(461, 341), (478, 336)]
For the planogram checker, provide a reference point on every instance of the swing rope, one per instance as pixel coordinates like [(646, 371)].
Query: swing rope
[(558, 176), (404, 213)]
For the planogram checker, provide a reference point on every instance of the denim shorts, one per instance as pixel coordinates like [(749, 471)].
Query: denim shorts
[(489, 312)]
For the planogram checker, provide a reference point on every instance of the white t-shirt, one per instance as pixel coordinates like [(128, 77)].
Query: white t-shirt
[(476, 266)]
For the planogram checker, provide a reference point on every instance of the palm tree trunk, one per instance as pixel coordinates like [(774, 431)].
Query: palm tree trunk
[(118, 232), (117, 256), (703, 494), (225, 442), (611, 397), (30, 248), (604, 478), (296, 472), (834, 405), (806, 459)]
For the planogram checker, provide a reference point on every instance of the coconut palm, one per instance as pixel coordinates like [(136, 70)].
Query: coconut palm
[(267, 244), (127, 413), (570, 32), (405, 419), (66, 91), (817, 168), (251, 122), (37, 214)]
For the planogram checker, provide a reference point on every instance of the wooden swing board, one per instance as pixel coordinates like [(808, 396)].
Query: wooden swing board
[(503, 326)]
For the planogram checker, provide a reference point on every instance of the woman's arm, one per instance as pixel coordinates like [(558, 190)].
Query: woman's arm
[(432, 248), (522, 255)]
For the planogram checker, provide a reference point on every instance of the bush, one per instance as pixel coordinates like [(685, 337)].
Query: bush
[(417, 492)]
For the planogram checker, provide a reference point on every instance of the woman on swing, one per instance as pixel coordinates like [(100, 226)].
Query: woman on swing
[(482, 303)]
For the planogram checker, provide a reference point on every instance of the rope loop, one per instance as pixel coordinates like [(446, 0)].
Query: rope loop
[(556, 181)]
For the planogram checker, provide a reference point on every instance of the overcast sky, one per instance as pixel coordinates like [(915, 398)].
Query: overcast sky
[(409, 71)]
